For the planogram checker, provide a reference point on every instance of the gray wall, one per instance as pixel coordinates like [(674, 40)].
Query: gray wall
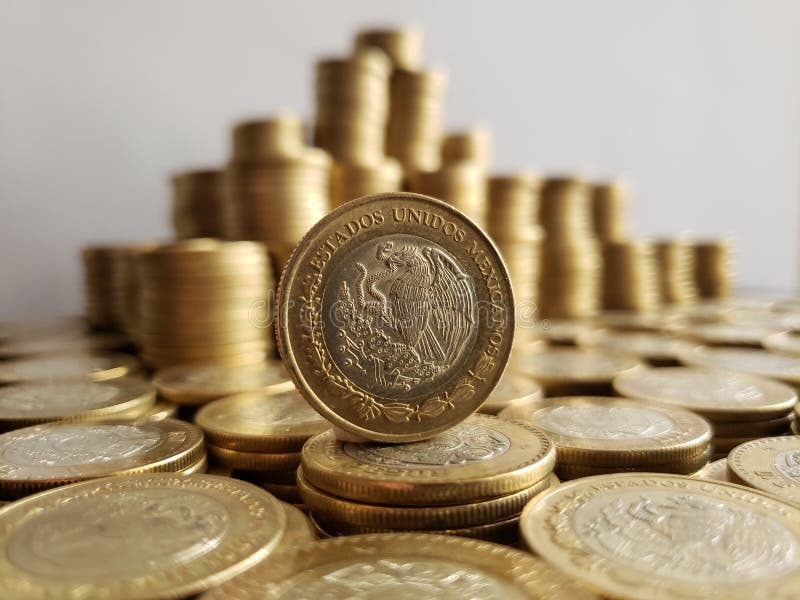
[(695, 101)]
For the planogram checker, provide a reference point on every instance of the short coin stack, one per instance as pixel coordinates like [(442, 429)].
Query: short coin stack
[(675, 265), (402, 46), (596, 435), (101, 279), (739, 407), (472, 480), (259, 435), (462, 185), (609, 209), (205, 301), (713, 271), (199, 204), (768, 464), (630, 279), (472, 146)]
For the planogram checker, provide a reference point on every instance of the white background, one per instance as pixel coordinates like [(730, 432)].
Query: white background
[(695, 101)]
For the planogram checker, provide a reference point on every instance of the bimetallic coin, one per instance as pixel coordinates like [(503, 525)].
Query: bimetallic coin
[(482, 457), (395, 317), (259, 422), (398, 565), (721, 396), (651, 536), (746, 360), (45, 456), (139, 536), (715, 471), (95, 367), (511, 389), (769, 464)]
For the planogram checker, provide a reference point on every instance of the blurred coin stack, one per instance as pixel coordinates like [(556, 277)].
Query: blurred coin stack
[(100, 266), (125, 288), (259, 435), (402, 46), (629, 276), (713, 268), (462, 185), (351, 181), (609, 211), (675, 266), (471, 480), (199, 205), (473, 146), (511, 218), (277, 188), (569, 286), (205, 301)]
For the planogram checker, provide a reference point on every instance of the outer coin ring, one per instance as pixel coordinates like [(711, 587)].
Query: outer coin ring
[(784, 488)]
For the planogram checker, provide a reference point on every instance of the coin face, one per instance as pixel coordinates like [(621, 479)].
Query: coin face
[(395, 317), (96, 367), (656, 536), (769, 464), (138, 536), (572, 364), (720, 395), (403, 567), (746, 360)]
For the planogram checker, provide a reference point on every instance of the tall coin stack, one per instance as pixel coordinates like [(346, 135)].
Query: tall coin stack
[(569, 286), (713, 268), (629, 276), (675, 264), (98, 282), (198, 205), (471, 146), (402, 46), (609, 209), (462, 185), (205, 301)]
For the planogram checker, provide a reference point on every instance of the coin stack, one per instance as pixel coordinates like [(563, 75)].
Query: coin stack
[(472, 480), (99, 281), (262, 140), (675, 266), (198, 204), (351, 181), (205, 301), (462, 185), (125, 289), (473, 146), (596, 435), (739, 407), (259, 435), (609, 209), (569, 286), (629, 276), (768, 464), (713, 268), (402, 46)]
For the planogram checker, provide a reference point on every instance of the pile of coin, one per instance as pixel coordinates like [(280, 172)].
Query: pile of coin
[(713, 268), (262, 140), (739, 407), (675, 267), (768, 464), (659, 349), (461, 184), (93, 366), (402, 46), (350, 181), (259, 436), (125, 288), (609, 209), (104, 283), (471, 480), (199, 205), (630, 280), (596, 435), (205, 301), (472, 146)]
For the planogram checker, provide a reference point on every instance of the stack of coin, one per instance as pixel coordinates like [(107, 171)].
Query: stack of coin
[(752, 361), (125, 288), (462, 185), (78, 365), (665, 536), (769, 464), (414, 132), (99, 269), (260, 435), (510, 390), (79, 400), (402, 46), (569, 286), (351, 181), (675, 266), (352, 106), (39, 457), (713, 268), (205, 301), (198, 204), (574, 372), (472, 146), (630, 280), (739, 407), (609, 209), (471, 480), (654, 347), (596, 435), (261, 141)]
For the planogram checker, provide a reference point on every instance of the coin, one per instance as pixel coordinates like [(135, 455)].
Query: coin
[(715, 471), (649, 536), (60, 343), (394, 564), (139, 536), (299, 529), (754, 429), (379, 320), (481, 458), (563, 332), (600, 431), (769, 464), (688, 466), (721, 396), (44, 456), (727, 334), (78, 400), (96, 367), (257, 461), (746, 360), (200, 466), (647, 345), (784, 342), (162, 410), (511, 389)]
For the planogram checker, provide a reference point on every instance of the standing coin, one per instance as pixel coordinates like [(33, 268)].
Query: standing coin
[(395, 317), (769, 464)]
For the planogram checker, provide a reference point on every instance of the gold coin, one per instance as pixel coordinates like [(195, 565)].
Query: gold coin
[(754, 429), (77, 400), (593, 430), (563, 332), (394, 565), (723, 444), (257, 461), (557, 367), (769, 464), (511, 389), (200, 466), (95, 367), (715, 471), (378, 318), (139, 536), (413, 518), (198, 384), (746, 360), (686, 466), (727, 334), (784, 342), (259, 422), (299, 531), (162, 410), (482, 457), (287, 493), (648, 345), (45, 456), (60, 343), (651, 536), (721, 396)]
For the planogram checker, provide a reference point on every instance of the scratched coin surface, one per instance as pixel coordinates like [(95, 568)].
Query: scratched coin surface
[(746, 360), (43, 456), (654, 536), (770, 464), (402, 567), (722, 396), (482, 457), (96, 367), (137, 536), (395, 317)]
